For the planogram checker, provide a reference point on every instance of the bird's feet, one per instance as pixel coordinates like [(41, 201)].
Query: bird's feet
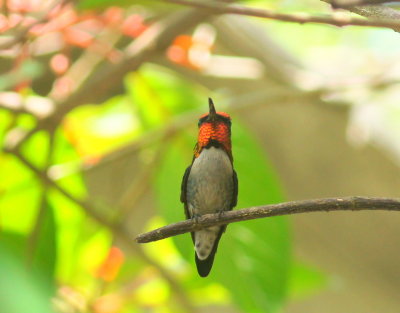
[(221, 213), (195, 218)]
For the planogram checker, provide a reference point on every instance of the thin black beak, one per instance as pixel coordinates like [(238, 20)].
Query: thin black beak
[(212, 114)]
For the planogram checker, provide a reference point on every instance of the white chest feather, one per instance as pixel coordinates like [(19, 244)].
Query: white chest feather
[(210, 183)]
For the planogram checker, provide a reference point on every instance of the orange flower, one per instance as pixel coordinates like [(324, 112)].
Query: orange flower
[(133, 26), (59, 63), (109, 269)]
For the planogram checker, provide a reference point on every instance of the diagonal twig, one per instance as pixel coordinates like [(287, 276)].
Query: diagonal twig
[(287, 208)]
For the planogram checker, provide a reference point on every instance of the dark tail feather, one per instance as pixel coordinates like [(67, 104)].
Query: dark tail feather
[(204, 266)]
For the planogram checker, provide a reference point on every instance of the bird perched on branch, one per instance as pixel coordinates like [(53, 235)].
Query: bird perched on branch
[(210, 183)]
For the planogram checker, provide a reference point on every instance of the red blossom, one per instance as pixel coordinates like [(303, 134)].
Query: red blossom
[(133, 26), (59, 63), (111, 266)]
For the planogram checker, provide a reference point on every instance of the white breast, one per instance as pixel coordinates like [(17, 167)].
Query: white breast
[(210, 183)]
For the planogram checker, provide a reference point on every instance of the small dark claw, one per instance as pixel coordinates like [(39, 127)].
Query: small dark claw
[(195, 218), (221, 213)]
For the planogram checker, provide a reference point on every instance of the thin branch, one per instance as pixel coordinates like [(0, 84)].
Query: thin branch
[(376, 12), (286, 208), (15, 36), (296, 18), (15, 109), (87, 63), (351, 3)]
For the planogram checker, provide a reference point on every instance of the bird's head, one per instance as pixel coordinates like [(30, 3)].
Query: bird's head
[(214, 130)]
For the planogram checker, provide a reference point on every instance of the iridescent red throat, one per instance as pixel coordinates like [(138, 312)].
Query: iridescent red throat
[(216, 132)]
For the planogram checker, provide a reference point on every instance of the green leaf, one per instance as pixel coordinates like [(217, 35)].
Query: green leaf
[(36, 148), (5, 120), (158, 94), (38, 252), (95, 130), (30, 69), (26, 121), (44, 249), (19, 291), (102, 4), (63, 151), (256, 252), (14, 243), (19, 194), (14, 174), (306, 280)]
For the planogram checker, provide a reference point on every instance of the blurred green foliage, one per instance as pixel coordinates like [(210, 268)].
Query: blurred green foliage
[(20, 291), (67, 254), (28, 70)]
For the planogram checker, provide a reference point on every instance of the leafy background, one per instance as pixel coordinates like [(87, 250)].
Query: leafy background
[(97, 133)]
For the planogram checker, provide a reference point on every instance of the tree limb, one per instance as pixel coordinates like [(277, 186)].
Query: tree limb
[(341, 4), (376, 12), (296, 18), (286, 208)]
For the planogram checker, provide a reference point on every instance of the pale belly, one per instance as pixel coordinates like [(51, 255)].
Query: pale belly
[(210, 183)]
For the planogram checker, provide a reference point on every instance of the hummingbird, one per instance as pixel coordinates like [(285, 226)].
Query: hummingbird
[(210, 183)]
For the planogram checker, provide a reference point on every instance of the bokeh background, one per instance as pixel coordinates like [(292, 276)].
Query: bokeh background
[(99, 101)]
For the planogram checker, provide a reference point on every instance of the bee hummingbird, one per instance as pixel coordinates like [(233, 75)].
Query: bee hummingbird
[(210, 183)]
